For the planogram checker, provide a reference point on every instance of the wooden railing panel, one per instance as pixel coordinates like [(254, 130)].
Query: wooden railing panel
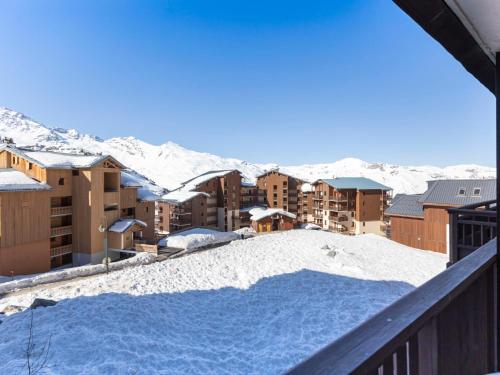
[(450, 316)]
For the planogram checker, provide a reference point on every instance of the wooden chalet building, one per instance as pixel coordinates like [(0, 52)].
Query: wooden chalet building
[(271, 219), (285, 192), (422, 220), (351, 205), (211, 199), (450, 324), (52, 205)]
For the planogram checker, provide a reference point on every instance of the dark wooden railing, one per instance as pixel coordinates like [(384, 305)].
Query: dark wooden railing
[(446, 326), (471, 227)]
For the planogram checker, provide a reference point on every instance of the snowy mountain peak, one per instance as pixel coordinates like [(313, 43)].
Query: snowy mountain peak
[(169, 164)]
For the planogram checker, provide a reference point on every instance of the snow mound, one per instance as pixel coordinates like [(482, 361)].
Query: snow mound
[(310, 226), (196, 238)]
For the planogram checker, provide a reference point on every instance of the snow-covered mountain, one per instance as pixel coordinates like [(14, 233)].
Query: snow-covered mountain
[(169, 164)]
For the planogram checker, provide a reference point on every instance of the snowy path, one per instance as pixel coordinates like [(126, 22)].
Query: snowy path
[(257, 306)]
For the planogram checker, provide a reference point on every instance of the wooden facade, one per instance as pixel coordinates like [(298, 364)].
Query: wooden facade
[(429, 232), (273, 223), (350, 211), (63, 222), (285, 192)]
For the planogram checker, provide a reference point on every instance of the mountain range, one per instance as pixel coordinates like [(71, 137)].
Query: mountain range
[(169, 164)]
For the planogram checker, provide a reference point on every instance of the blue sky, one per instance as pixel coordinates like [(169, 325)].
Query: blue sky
[(266, 81)]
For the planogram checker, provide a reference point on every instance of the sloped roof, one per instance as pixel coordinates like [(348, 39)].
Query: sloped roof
[(446, 192), (123, 225), (179, 197), (261, 213), (147, 190), (358, 183), (13, 180), (406, 205), (198, 180), (59, 160)]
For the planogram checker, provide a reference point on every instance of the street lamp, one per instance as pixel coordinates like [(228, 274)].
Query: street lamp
[(102, 229)]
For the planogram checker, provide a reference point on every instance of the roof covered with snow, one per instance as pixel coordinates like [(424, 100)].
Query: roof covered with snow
[(147, 190), (307, 188), (205, 177), (57, 160), (14, 180), (123, 225), (358, 183), (406, 205), (261, 213), (179, 197), (449, 192)]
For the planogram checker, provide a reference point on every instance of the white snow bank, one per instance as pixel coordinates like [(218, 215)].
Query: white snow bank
[(73, 272), (178, 197), (192, 239), (258, 306), (310, 226)]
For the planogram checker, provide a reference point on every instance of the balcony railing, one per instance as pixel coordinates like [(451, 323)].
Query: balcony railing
[(471, 227), (60, 231), (61, 250), (446, 326), (61, 211)]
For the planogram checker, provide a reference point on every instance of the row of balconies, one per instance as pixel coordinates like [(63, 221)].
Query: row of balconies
[(61, 211), (61, 231)]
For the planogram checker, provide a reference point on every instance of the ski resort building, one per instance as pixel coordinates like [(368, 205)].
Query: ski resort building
[(285, 192), (211, 199), (53, 205), (180, 210), (422, 220), (351, 205), (271, 219)]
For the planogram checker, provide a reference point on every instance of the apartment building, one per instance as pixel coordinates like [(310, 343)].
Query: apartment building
[(285, 192), (54, 206), (250, 197), (180, 210), (422, 220), (218, 207), (351, 205)]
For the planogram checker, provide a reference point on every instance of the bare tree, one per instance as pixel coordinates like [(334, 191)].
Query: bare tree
[(36, 361)]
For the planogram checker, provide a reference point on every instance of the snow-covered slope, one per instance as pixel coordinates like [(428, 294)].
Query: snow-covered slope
[(257, 306), (169, 164)]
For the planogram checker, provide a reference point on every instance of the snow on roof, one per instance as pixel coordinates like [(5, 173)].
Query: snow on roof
[(307, 188), (14, 180), (147, 190), (178, 197), (195, 238), (261, 213), (60, 160), (123, 225), (359, 183), (198, 180)]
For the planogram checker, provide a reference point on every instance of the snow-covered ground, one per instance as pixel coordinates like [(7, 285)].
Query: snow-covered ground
[(195, 238), (170, 164), (255, 306)]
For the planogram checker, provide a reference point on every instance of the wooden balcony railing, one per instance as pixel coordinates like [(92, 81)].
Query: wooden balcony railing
[(446, 326), (61, 211), (61, 250), (61, 231), (471, 227)]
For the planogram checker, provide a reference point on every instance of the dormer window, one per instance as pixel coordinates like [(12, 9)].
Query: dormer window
[(461, 191), (476, 192)]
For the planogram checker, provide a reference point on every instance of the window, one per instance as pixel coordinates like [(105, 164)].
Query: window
[(61, 181), (364, 224), (30, 165), (75, 172), (147, 209), (461, 191), (275, 187), (476, 191)]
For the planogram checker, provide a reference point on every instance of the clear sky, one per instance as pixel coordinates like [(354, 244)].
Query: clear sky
[(262, 80)]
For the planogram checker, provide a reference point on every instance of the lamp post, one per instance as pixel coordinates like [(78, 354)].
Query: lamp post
[(102, 229)]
